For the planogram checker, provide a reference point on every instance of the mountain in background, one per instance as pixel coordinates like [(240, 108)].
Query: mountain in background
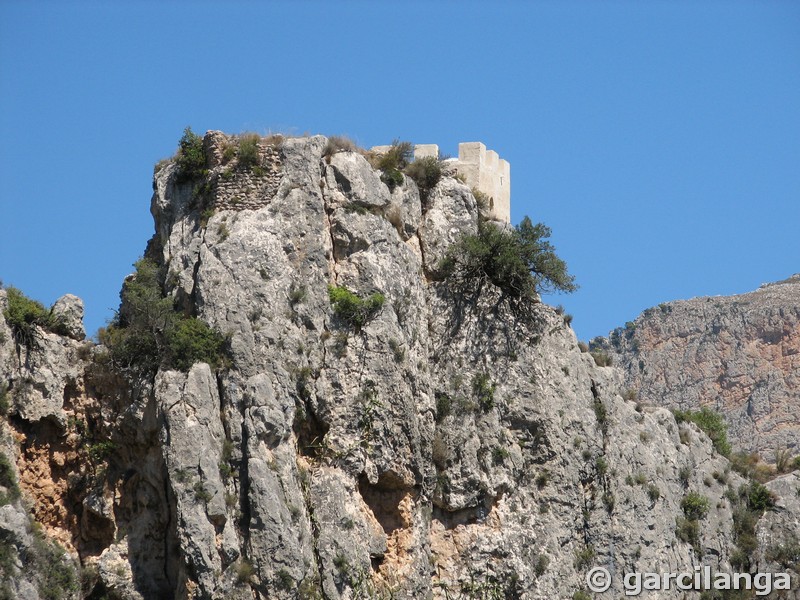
[(739, 355)]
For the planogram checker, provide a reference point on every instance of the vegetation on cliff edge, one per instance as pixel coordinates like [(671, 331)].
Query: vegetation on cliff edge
[(148, 332), (520, 262)]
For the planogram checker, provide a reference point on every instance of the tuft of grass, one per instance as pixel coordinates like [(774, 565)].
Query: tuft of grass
[(602, 358), (297, 294), (338, 143), (201, 494), (244, 572), (247, 151)]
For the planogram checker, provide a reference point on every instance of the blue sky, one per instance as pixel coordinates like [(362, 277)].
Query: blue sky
[(659, 140)]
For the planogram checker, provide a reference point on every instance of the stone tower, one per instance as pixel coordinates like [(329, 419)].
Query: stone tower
[(481, 169)]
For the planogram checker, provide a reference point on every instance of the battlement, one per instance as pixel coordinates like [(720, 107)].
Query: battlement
[(481, 169)]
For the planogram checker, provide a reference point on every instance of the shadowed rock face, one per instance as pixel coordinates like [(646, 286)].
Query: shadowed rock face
[(737, 354), (446, 448)]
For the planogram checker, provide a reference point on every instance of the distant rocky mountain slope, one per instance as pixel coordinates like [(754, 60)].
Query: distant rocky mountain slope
[(739, 355), (415, 443)]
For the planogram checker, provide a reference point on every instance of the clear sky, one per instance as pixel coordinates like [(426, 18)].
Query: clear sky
[(659, 140)]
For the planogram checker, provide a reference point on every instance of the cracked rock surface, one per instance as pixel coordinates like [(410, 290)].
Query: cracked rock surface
[(445, 449)]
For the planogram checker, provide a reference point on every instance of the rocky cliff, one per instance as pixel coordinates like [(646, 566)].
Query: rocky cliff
[(739, 355), (442, 447)]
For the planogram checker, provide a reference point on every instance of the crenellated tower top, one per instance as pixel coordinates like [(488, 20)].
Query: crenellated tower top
[(481, 169)]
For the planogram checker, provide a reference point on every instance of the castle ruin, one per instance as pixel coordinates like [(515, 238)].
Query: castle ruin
[(482, 170)]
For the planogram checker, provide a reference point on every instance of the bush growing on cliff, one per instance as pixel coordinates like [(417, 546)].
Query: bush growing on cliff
[(694, 506), (190, 340), (23, 315), (520, 262), (393, 161), (191, 158), (353, 309), (148, 333), (712, 423), (426, 173)]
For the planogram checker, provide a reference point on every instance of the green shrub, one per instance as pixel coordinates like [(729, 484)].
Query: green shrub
[(100, 451), (542, 479), (694, 506), (542, 562), (601, 414), (297, 294), (483, 389), (688, 530), (201, 494), (248, 151), (57, 577), (520, 262), (584, 557), (499, 455), (5, 404), (481, 199), (191, 158), (393, 161), (443, 406), (759, 498), (8, 481), (285, 580), (23, 315), (190, 341), (710, 422), (342, 564), (783, 460), (653, 492), (426, 173), (685, 474), (148, 332), (353, 309)]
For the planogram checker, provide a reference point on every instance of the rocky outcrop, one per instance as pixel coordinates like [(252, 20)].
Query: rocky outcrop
[(739, 355), (445, 447)]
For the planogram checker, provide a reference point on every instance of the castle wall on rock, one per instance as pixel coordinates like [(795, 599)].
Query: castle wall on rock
[(245, 188), (482, 170)]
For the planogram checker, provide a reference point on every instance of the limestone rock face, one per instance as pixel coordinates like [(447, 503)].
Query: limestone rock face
[(737, 354), (442, 448)]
